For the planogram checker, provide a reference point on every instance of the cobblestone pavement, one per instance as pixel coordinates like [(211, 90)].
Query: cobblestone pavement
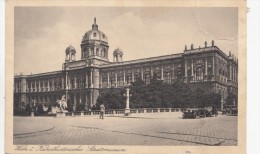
[(149, 129)]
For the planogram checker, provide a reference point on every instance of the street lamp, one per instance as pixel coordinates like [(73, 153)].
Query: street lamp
[(127, 109)]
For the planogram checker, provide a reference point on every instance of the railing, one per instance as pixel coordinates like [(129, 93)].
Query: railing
[(118, 112)]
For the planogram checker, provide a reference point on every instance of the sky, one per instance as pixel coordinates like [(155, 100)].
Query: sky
[(43, 33)]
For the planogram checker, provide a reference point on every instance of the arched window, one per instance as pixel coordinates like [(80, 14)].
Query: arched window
[(147, 79), (167, 77), (97, 51), (179, 75), (92, 51), (94, 34), (137, 76), (209, 71), (128, 80), (189, 72), (199, 74)]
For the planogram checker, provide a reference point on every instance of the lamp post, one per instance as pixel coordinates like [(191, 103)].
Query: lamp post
[(127, 109)]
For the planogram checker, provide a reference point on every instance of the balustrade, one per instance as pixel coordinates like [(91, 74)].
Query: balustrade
[(122, 111)]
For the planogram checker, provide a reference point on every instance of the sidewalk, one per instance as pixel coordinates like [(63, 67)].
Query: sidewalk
[(29, 125)]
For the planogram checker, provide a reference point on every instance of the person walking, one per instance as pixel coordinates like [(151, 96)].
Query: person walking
[(102, 111)]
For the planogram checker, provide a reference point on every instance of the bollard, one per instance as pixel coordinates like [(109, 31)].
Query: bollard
[(144, 110), (82, 113), (32, 114)]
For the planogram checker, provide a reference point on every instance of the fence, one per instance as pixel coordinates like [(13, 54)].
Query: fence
[(120, 112)]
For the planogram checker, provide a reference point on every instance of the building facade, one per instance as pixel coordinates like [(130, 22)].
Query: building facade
[(205, 67)]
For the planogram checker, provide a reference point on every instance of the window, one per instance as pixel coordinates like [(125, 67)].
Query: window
[(92, 51), (97, 51), (199, 74), (167, 77), (209, 71), (94, 34), (146, 79), (103, 36), (128, 80), (189, 72), (179, 75)]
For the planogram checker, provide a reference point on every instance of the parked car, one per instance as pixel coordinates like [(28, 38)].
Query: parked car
[(190, 113), (231, 110), (194, 113), (210, 111)]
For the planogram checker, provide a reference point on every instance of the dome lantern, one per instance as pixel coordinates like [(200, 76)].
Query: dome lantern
[(70, 54)]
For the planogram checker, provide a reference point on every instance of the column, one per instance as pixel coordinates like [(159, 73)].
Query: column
[(173, 75), (116, 80), (142, 73), (75, 103), (236, 73), (48, 88), (127, 98), (66, 82), (185, 68), (100, 81), (91, 93), (39, 86), (192, 71), (213, 66), (75, 82), (233, 74), (86, 103), (62, 83), (91, 78), (108, 81), (31, 87), (206, 66), (35, 86), (124, 78), (133, 76), (206, 69), (230, 72), (162, 72), (151, 72), (86, 82)]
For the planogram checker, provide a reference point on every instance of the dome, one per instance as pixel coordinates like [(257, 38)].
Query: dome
[(118, 51), (94, 35), (70, 49)]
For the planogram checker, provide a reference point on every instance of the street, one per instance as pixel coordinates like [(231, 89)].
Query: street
[(137, 129)]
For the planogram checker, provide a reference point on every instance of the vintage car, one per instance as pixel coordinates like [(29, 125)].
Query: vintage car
[(231, 110), (210, 111), (194, 113)]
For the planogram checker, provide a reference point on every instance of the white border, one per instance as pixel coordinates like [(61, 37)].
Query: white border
[(253, 78), (2, 74)]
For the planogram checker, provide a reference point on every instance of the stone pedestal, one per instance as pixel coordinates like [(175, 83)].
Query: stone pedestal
[(60, 115), (32, 114), (127, 112), (82, 113), (114, 112)]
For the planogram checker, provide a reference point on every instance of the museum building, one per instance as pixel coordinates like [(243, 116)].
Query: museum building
[(205, 67)]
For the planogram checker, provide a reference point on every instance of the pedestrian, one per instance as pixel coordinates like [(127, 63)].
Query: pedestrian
[(102, 111)]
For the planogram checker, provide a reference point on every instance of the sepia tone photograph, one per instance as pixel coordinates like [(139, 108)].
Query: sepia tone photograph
[(97, 76)]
